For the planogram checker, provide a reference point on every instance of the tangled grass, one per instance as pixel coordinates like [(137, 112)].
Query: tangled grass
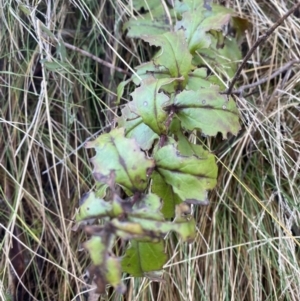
[(247, 246)]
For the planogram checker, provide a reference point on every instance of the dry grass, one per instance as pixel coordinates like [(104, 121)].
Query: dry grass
[(245, 249)]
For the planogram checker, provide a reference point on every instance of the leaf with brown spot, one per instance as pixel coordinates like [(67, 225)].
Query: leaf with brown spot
[(148, 103), (115, 153)]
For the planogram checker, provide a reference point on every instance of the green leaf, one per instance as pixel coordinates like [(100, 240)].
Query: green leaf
[(97, 249), (143, 257), (136, 128), (148, 208), (198, 79), (174, 54), (149, 70), (151, 229), (114, 274), (190, 177), (120, 89), (158, 229), (186, 148), (148, 103), (206, 32), (208, 111), (223, 60), (115, 153), (100, 190), (165, 192), (92, 207)]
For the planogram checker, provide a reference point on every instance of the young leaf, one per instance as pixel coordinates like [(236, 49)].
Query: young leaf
[(148, 103), (143, 257), (136, 128), (190, 177), (174, 53), (115, 153), (208, 111)]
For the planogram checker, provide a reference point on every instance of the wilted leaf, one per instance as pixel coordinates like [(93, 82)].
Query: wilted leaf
[(208, 111), (190, 177), (157, 229), (113, 274), (97, 249), (115, 153), (148, 103), (105, 269), (136, 128), (143, 257), (151, 229)]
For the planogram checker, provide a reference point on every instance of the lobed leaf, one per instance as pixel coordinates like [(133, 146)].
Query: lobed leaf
[(174, 54), (190, 177), (208, 111), (148, 103), (115, 153)]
